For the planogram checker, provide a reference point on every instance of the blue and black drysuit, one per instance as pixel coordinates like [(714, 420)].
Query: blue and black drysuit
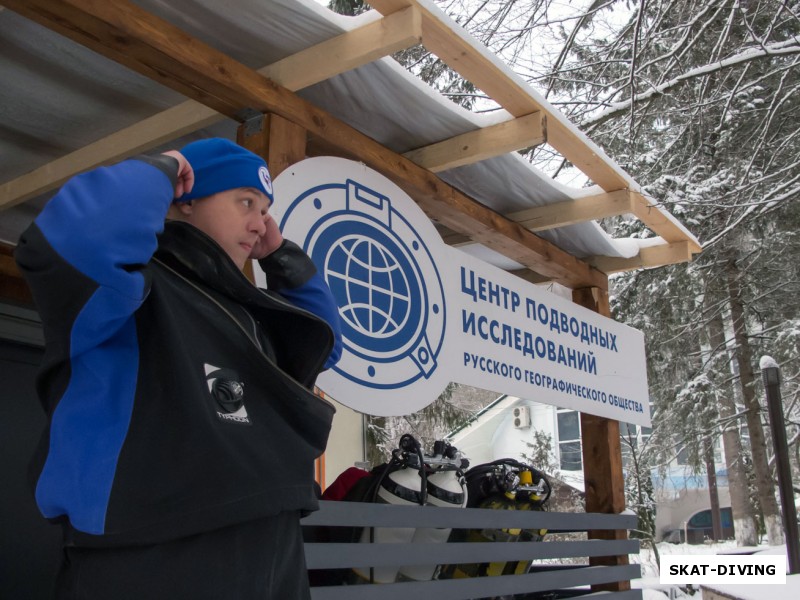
[(177, 393)]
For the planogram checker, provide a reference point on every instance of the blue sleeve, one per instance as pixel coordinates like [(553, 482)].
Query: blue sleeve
[(104, 223), (84, 255), (84, 258)]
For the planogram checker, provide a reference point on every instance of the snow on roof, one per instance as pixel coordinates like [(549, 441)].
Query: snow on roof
[(59, 96)]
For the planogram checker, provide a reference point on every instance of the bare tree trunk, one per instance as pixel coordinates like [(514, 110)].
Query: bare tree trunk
[(713, 493), (744, 518), (744, 358)]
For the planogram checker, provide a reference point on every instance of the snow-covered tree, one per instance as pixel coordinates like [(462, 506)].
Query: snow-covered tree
[(700, 101)]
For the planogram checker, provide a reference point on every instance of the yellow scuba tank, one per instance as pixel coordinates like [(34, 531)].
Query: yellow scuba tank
[(505, 484), (521, 498)]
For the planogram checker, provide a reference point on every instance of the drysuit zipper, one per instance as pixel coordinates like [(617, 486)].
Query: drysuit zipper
[(254, 338)]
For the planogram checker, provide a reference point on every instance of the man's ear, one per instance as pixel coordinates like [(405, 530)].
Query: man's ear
[(180, 211)]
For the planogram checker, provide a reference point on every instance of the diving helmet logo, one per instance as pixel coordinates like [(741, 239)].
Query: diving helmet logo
[(228, 394)]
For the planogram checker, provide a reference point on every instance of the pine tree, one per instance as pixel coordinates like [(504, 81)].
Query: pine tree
[(699, 100)]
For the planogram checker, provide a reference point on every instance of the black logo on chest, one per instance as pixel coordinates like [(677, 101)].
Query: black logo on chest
[(227, 390)]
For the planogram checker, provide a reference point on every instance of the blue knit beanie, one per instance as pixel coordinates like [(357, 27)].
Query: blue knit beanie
[(221, 165)]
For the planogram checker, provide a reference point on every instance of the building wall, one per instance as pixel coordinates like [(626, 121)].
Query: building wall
[(474, 440), (30, 547), (493, 436), (509, 441), (676, 509), (345, 444)]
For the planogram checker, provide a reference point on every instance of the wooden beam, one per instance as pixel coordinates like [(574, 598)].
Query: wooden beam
[(648, 257), (145, 135), (451, 238), (481, 144), (317, 63), (126, 33), (662, 222), (366, 44), (280, 142), (12, 285), (590, 208), (560, 214), (447, 40), (602, 459), (530, 276), (17, 291), (8, 267), (464, 215)]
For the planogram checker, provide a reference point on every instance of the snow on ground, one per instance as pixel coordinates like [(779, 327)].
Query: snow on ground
[(652, 589)]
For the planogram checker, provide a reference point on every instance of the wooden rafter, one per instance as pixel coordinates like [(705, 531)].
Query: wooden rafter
[(569, 212), (481, 144), (135, 38), (451, 238), (141, 137), (599, 206), (648, 257), (347, 51), (405, 23), (662, 222), (475, 63), (8, 267)]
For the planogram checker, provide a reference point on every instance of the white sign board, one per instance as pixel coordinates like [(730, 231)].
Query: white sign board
[(418, 314)]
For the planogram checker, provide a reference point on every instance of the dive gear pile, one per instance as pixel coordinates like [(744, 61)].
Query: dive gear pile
[(504, 484), (442, 478)]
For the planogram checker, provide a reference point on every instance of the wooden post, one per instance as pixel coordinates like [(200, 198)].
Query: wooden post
[(12, 286), (280, 142), (602, 459)]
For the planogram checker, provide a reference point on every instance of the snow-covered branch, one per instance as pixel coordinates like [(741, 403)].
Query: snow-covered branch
[(784, 48)]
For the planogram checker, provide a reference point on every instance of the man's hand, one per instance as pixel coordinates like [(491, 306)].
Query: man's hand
[(270, 241), (185, 180)]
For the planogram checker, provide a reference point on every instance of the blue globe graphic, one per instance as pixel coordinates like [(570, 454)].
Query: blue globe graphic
[(383, 278), (370, 285)]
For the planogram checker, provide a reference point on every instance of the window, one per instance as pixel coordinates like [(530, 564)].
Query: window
[(569, 440), (702, 520)]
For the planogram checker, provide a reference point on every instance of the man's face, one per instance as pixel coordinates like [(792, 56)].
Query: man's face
[(233, 218)]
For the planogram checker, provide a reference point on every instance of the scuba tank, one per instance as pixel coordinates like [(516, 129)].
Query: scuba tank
[(529, 496), (398, 482), (504, 484), (446, 487), (413, 478)]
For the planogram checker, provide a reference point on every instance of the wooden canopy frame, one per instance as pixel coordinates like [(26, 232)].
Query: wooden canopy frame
[(219, 87)]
